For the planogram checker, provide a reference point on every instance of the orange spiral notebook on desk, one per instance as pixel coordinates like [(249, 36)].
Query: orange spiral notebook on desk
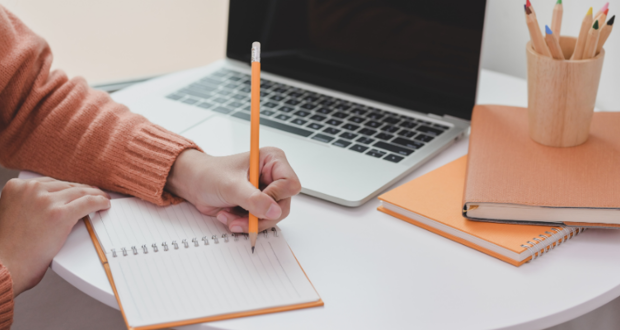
[(434, 202), (173, 266)]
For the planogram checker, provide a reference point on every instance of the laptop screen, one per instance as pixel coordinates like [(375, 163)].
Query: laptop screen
[(419, 55)]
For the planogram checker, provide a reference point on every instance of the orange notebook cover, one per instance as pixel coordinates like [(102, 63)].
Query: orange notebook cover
[(512, 178), (105, 257), (433, 202)]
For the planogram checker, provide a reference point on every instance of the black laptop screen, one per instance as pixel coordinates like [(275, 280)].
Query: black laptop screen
[(419, 55)]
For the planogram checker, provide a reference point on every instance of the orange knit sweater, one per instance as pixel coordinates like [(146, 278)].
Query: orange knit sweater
[(61, 128)]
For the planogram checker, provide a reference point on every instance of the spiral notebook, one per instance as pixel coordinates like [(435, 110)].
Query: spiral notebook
[(173, 266), (434, 202)]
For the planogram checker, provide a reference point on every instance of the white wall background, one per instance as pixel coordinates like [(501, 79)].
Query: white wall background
[(506, 34), (113, 40)]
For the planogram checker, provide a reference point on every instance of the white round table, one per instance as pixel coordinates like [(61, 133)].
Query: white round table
[(374, 271)]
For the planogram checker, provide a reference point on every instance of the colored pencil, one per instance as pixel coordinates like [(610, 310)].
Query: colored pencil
[(553, 44), (605, 32), (602, 18), (593, 35), (586, 24), (556, 19), (535, 35), (605, 7), (254, 135)]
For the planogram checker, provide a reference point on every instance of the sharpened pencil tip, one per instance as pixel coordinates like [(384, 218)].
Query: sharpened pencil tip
[(595, 26), (527, 10), (559, 2), (606, 11), (589, 12), (548, 30), (528, 3), (252, 250), (605, 6), (611, 20)]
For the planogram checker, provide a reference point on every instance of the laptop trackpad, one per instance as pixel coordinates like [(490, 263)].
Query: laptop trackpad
[(220, 136)]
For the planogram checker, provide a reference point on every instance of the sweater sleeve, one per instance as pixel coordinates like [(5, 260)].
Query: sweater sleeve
[(6, 298), (61, 128)]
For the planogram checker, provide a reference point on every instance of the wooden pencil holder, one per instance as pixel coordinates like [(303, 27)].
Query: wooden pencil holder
[(561, 95)]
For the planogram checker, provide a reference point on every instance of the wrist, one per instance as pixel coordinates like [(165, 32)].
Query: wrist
[(183, 173)]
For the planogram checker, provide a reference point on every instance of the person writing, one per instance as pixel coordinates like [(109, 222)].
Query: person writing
[(61, 128)]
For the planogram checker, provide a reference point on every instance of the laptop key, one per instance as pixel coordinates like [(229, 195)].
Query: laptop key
[(195, 93), (358, 111), (357, 119), (358, 148), (367, 131), (408, 124), (342, 143), (323, 138), (286, 109), (174, 96), (374, 116), (384, 136), (393, 148), (267, 112), (391, 120), (333, 122), (376, 153), (311, 98), (365, 140), (302, 113), (350, 127), (324, 111), (245, 90), (318, 117), (224, 92), (348, 136), (408, 143), (238, 97), (205, 105), (406, 133), (220, 100), (190, 101), (298, 121), (393, 158), (331, 130), (315, 126), (277, 97), (342, 106), (274, 124), (235, 104), (221, 109), (340, 115), (390, 129), (424, 138), (292, 102), (248, 108), (270, 105), (429, 130), (373, 124), (308, 106), (283, 117)]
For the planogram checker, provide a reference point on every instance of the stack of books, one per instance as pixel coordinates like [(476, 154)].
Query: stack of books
[(511, 197)]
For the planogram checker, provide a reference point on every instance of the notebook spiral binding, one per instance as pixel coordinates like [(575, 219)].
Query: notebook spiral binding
[(185, 243), (543, 243)]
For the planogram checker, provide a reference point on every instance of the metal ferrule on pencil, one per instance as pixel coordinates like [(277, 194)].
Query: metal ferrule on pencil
[(255, 51)]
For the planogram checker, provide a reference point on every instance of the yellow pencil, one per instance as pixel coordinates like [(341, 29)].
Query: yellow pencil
[(254, 134), (553, 44), (605, 32), (586, 24), (556, 19), (593, 35), (537, 40)]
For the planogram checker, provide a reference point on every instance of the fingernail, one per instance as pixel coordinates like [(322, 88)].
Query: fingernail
[(222, 218), (274, 212), (236, 229)]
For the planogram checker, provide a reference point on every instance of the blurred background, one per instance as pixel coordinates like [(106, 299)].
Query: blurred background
[(117, 40)]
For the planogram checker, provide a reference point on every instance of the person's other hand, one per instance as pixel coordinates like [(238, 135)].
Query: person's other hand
[(36, 216), (219, 186)]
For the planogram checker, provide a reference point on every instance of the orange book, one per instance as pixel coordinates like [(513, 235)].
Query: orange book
[(511, 178), (173, 266), (433, 202)]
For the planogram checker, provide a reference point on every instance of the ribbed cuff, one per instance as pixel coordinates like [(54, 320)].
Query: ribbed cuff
[(6, 298), (147, 161)]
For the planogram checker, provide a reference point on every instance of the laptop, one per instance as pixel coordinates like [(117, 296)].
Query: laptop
[(357, 93)]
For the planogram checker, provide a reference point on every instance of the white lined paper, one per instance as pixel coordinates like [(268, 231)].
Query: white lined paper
[(197, 281)]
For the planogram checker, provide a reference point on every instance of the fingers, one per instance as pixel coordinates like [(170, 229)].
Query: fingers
[(238, 223), (85, 205), (255, 201), (278, 175), (68, 195)]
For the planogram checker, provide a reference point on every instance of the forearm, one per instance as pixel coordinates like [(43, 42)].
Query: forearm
[(64, 129)]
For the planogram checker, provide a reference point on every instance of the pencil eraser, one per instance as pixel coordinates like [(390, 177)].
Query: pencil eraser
[(548, 30)]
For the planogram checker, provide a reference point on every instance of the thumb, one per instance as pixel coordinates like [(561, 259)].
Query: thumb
[(256, 202)]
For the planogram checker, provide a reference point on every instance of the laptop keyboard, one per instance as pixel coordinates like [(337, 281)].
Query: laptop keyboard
[(348, 125)]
